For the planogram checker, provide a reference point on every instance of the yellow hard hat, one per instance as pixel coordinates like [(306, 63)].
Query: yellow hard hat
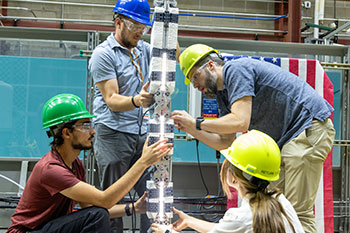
[(255, 153), (191, 55)]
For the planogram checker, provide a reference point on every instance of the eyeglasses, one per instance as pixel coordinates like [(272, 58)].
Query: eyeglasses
[(195, 74), (136, 27), (85, 127)]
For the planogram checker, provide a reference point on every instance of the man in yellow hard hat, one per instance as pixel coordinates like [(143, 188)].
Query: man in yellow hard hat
[(253, 94), (57, 181)]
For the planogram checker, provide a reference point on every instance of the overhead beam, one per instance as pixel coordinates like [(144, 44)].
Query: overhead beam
[(184, 41)]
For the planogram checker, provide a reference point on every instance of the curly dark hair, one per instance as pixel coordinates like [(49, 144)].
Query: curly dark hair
[(57, 137)]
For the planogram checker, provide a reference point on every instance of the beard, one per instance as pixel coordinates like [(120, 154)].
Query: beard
[(125, 41), (210, 84), (79, 146)]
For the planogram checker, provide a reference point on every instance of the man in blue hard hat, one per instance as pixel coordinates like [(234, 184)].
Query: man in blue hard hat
[(120, 70)]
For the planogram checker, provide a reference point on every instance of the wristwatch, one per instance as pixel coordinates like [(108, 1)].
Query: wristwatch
[(199, 120), (127, 209)]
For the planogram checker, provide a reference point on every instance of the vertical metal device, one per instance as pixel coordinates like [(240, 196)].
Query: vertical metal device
[(160, 126)]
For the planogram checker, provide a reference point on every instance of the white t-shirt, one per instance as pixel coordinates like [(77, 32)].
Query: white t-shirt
[(240, 219)]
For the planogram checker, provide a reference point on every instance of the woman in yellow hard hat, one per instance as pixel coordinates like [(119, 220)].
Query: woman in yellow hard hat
[(252, 161)]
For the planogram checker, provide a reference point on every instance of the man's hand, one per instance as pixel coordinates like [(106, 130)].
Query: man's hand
[(183, 121), (157, 228), (153, 153), (145, 99), (140, 205)]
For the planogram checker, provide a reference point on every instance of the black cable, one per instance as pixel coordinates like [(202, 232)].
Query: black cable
[(10, 199), (200, 199), (200, 169), (215, 205), (218, 155), (133, 215), (143, 116)]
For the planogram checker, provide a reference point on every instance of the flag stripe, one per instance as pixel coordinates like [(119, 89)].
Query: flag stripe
[(319, 210), (285, 64), (327, 167), (294, 66), (303, 69), (319, 78), (311, 69), (315, 79)]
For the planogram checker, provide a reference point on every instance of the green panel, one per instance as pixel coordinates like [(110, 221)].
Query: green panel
[(336, 79), (185, 151), (25, 85)]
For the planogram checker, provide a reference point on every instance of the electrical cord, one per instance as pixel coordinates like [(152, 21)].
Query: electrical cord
[(10, 199), (133, 215), (150, 170), (143, 116), (200, 169), (132, 198), (217, 217)]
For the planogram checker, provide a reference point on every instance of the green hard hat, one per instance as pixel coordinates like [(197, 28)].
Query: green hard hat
[(63, 108)]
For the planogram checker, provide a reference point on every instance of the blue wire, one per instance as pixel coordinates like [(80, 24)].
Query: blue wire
[(233, 17)]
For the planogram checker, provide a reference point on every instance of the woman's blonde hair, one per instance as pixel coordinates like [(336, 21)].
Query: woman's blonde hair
[(267, 210)]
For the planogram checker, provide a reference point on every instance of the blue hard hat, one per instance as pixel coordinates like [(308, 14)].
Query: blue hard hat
[(138, 10)]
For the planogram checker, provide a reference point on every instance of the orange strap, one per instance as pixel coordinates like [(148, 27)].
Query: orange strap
[(138, 68)]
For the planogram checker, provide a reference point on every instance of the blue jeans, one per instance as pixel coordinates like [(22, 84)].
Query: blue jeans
[(90, 219)]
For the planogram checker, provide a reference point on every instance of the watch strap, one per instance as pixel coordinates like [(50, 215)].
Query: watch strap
[(127, 209), (199, 120)]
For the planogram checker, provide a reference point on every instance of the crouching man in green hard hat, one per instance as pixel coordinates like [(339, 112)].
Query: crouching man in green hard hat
[(58, 179)]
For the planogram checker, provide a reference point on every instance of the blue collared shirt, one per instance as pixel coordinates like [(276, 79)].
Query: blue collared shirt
[(110, 60), (283, 105)]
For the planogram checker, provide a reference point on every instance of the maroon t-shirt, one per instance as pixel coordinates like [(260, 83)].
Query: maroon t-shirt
[(41, 200)]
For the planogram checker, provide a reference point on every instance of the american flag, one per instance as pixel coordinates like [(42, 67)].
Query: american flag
[(312, 72)]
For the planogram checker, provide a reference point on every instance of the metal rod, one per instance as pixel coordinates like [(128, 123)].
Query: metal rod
[(181, 11), (333, 19), (58, 19), (330, 34), (64, 3), (62, 10), (111, 23), (1, 21), (235, 17), (12, 181), (336, 65), (228, 13), (228, 29), (18, 8)]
